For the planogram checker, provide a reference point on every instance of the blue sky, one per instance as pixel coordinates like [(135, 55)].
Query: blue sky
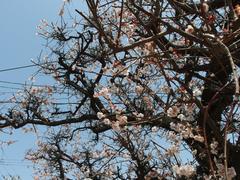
[(18, 44)]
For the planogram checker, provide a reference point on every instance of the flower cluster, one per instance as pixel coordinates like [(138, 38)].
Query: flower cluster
[(186, 131), (197, 92), (213, 147), (231, 173), (141, 79), (185, 170), (205, 7), (139, 89), (189, 29), (100, 115), (173, 111), (103, 92)]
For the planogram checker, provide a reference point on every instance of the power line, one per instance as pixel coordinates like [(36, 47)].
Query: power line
[(14, 162), (57, 92), (59, 103), (40, 64), (7, 92), (7, 87), (15, 83), (26, 66), (19, 67), (25, 84)]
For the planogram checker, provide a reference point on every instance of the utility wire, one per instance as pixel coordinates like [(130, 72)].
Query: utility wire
[(34, 65), (7, 87), (15, 83), (8, 164), (26, 66), (31, 85), (16, 68), (14, 162), (18, 102), (23, 84)]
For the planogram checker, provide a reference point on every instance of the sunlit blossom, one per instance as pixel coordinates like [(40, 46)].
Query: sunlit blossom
[(185, 170), (100, 115), (197, 92), (189, 29)]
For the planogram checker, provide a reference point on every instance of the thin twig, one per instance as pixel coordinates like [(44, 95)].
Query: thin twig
[(225, 140)]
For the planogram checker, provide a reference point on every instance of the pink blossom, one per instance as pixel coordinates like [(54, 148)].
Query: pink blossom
[(173, 111), (122, 119), (139, 89), (198, 138), (116, 126), (186, 170), (189, 29), (205, 7)]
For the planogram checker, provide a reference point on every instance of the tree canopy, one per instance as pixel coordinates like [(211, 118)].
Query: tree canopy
[(149, 90)]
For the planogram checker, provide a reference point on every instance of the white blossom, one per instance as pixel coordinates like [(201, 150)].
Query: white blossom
[(231, 173), (106, 121), (205, 7), (186, 132), (100, 115), (154, 129), (198, 138), (204, 27), (181, 117), (140, 115), (197, 92), (103, 92), (170, 49), (116, 126), (185, 170), (189, 108), (189, 29), (173, 150), (74, 67), (122, 119), (172, 135), (166, 89), (139, 89), (173, 111), (213, 147)]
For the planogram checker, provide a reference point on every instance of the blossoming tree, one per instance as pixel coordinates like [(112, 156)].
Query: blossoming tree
[(151, 90)]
